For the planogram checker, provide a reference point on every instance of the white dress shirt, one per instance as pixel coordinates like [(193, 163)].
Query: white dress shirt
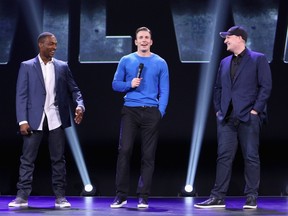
[(50, 110)]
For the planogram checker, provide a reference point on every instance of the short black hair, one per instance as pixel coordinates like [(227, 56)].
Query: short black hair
[(43, 35)]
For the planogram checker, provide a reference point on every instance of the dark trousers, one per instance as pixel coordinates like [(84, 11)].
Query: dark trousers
[(230, 133), (31, 143), (134, 119)]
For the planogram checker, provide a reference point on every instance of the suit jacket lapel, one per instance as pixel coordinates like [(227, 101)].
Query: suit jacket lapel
[(227, 69), (38, 70), (243, 62), (56, 66)]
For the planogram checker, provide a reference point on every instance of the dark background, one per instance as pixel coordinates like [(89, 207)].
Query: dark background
[(98, 133)]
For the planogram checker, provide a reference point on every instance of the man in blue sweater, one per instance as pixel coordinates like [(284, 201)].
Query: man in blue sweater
[(144, 77)]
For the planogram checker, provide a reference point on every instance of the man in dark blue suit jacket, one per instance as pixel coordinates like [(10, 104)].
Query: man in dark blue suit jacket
[(241, 92), (45, 88)]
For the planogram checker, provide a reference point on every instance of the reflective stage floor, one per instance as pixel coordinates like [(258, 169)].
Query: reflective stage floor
[(168, 206)]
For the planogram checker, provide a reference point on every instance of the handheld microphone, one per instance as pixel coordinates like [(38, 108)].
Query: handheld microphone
[(140, 68), (29, 131)]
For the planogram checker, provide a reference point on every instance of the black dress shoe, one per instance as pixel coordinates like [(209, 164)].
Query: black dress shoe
[(251, 203), (212, 202), (118, 202)]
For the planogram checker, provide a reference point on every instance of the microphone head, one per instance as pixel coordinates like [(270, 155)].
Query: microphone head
[(141, 65)]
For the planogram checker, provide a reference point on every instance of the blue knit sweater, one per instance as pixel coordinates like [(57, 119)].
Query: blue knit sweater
[(154, 87)]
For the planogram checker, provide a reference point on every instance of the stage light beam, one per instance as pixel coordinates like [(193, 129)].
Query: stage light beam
[(205, 88), (77, 153)]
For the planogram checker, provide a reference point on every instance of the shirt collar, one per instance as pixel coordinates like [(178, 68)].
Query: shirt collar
[(241, 54), (42, 62)]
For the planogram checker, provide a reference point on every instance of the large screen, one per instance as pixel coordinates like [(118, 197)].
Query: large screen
[(193, 22)]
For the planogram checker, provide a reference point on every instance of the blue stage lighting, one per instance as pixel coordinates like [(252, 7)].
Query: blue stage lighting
[(77, 153), (88, 188), (205, 88), (188, 188)]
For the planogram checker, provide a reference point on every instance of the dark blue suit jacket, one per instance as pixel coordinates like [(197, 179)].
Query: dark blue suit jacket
[(31, 93), (249, 90)]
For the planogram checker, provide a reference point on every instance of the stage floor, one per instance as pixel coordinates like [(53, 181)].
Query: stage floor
[(168, 206)]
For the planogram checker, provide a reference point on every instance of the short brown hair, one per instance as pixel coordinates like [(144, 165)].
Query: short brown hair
[(143, 29)]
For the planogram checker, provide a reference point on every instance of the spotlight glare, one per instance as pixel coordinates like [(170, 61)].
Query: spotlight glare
[(88, 188), (188, 188), (78, 156), (205, 89)]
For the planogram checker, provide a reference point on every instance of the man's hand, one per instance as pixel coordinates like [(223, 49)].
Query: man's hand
[(25, 129), (78, 115), (135, 82)]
